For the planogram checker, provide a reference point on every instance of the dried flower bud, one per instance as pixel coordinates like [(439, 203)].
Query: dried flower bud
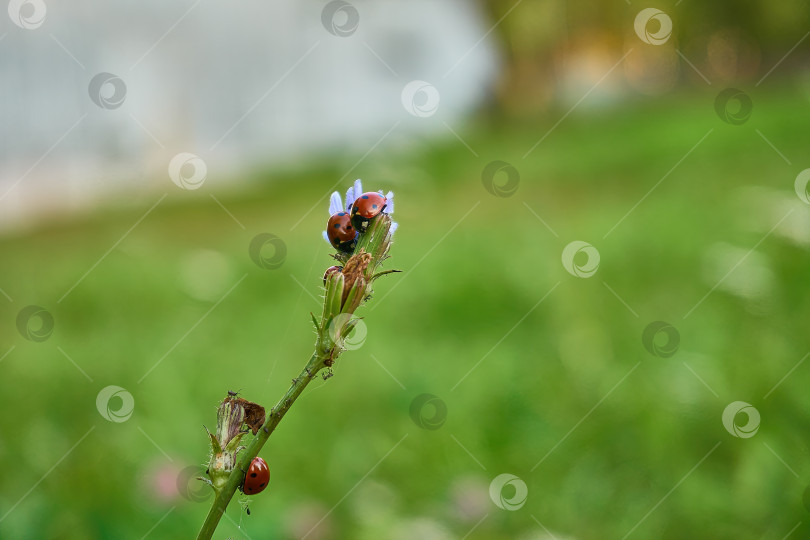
[(254, 415), (355, 269), (230, 417)]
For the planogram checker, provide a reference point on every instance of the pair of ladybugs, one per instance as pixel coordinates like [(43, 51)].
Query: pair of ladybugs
[(343, 228)]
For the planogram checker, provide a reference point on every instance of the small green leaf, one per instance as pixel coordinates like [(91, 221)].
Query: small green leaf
[(334, 290), (348, 327), (336, 293), (234, 443), (384, 272), (215, 447)]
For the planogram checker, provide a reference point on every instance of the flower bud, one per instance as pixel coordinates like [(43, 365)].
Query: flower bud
[(353, 274), (230, 417)]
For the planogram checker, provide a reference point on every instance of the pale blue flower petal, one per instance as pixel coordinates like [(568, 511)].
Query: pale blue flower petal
[(355, 191), (389, 206), (394, 226), (349, 198), (335, 204), (326, 237)]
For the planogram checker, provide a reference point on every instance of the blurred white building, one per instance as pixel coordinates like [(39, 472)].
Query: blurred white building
[(98, 97)]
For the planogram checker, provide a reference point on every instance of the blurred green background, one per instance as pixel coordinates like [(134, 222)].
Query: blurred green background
[(610, 440)]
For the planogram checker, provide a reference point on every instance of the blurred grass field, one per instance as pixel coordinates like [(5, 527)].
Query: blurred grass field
[(616, 430)]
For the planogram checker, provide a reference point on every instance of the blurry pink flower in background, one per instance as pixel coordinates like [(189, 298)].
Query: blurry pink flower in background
[(469, 497), (309, 519)]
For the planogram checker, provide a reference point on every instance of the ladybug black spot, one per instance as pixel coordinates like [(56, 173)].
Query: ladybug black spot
[(341, 213), (261, 485), (365, 197), (253, 475), (348, 227), (337, 225), (374, 206)]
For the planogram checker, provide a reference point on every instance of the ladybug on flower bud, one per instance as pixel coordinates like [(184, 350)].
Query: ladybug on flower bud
[(365, 207), (346, 223), (342, 234), (257, 477)]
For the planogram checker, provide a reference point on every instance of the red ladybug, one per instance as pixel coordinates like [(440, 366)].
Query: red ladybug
[(341, 233), (257, 477), (365, 207)]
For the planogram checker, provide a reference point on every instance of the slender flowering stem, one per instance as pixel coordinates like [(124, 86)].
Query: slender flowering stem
[(345, 292)]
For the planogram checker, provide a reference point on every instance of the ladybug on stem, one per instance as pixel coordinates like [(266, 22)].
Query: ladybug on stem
[(257, 477), (365, 207), (342, 235)]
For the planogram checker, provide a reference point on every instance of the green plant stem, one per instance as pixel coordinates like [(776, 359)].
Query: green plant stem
[(375, 242), (315, 364)]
